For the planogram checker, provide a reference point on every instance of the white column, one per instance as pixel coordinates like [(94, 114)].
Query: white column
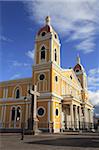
[(51, 49), (91, 119), (35, 102), (26, 118), (76, 118), (49, 111), (15, 117), (72, 116), (80, 116), (86, 118), (4, 116)]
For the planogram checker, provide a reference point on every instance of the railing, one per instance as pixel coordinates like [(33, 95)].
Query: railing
[(78, 125), (50, 125)]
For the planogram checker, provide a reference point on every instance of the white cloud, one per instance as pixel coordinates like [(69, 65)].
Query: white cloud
[(30, 54), (15, 63), (94, 97), (86, 46), (93, 83), (93, 79), (76, 19), (15, 76), (5, 39)]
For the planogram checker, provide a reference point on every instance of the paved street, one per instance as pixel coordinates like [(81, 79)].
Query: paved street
[(12, 141)]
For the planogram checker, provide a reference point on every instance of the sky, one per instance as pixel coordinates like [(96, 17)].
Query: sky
[(75, 21)]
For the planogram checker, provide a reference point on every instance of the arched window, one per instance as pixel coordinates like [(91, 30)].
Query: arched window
[(13, 114), (43, 53), (17, 93), (18, 113), (57, 112), (55, 55), (56, 78)]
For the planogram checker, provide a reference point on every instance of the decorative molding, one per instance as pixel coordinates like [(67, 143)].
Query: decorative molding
[(14, 82)]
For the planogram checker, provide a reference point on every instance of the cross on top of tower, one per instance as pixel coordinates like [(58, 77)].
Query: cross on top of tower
[(47, 20), (78, 59)]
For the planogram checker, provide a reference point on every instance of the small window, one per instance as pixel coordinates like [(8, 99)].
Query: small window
[(55, 36), (55, 55), (17, 93), (43, 53), (79, 80), (18, 113), (42, 77), (56, 78), (13, 114), (71, 77), (41, 111), (43, 34), (56, 112)]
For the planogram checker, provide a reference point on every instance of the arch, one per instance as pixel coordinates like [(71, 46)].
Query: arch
[(15, 90), (55, 55), (43, 53), (18, 116), (17, 93), (13, 109), (15, 115)]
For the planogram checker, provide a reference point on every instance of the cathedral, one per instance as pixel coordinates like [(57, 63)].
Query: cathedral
[(63, 103)]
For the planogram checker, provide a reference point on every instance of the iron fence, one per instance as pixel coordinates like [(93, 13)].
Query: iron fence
[(50, 125)]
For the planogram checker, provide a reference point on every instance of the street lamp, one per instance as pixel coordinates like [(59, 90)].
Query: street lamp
[(23, 123)]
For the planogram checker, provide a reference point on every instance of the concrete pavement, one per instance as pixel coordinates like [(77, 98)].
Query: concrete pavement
[(11, 141)]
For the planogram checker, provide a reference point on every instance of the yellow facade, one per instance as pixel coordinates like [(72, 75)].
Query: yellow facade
[(63, 100)]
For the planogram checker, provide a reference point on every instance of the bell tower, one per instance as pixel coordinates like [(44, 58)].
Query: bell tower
[(82, 78), (80, 73), (47, 45)]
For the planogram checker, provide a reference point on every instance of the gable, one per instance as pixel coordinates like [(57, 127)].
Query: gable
[(71, 76)]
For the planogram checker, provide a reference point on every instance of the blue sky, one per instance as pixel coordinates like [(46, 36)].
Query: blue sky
[(76, 22)]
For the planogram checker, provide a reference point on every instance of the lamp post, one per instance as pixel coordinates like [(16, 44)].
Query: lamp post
[(23, 122)]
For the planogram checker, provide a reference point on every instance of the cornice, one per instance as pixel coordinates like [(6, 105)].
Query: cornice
[(14, 82)]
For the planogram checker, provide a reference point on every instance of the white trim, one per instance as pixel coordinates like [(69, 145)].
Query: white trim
[(4, 119), (14, 103), (14, 82), (1, 117), (5, 92), (11, 99), (26, 116), (51, 48), (49, 111)]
